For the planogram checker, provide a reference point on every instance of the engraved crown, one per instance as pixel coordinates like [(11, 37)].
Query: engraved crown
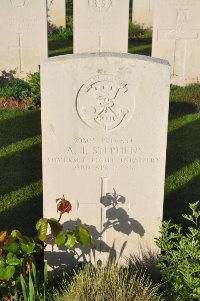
[(105, 90)]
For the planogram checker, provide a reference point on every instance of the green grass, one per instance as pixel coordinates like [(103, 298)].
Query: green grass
[(20, 170), (63, 46)]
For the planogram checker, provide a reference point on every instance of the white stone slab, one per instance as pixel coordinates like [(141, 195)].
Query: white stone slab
[(23, 35), (104, 132), (101, 25), (176, 38), (57, 12), (142, 12)]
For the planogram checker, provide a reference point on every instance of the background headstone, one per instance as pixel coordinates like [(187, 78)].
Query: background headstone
[(101, 25), (23, 35), (176, 38), (104, 126), (142, 12), (57, 12)]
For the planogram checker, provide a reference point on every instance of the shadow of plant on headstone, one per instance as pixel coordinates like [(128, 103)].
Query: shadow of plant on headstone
[(116, 218)]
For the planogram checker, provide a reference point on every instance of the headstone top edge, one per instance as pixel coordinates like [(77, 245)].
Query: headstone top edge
[(138, 57)]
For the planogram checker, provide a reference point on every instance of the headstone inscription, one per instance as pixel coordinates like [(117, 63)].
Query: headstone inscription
[(176, 38), (104, 148), (23, 35), (57, 12), (101, 25), (142, 12)]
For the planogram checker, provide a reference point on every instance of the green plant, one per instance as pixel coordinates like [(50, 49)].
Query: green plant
[(60, 33), (107, 283), (30, 289), (34, 97), (18, 252), (12, 87), (180, 258), (138, 32)]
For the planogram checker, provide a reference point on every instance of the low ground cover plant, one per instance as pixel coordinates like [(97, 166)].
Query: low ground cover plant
[(180, 258), (22, 90)]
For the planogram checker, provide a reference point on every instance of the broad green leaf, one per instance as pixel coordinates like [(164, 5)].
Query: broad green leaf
[(56, 227), (7, 273), (42, 226), (12, 259), (27, 245), (71, 240), (16, 233), (60, 239), (84, 236), (12, 247)]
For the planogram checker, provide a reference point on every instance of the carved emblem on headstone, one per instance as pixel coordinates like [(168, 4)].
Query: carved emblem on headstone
[(18, 3), (100, 4), (105, 102)]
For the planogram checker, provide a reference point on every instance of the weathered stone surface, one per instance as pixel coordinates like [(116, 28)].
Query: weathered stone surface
[(142, 12), (104, 131), (57, 12), (23, 35), (101, 25), (176, 38)]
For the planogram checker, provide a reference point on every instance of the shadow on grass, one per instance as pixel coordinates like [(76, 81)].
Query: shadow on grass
[(181, 108), (177, 202), (60, 47), (183, 146), (20, 171), (24, 125), (23, 216), (142, 47), (183, 166)]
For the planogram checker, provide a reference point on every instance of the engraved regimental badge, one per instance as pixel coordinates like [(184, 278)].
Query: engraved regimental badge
[(105, 102), (18, 3), (100, 4)]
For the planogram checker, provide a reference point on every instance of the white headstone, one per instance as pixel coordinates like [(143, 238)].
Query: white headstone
[(104, 132), (23, 35), (57, 12), (101, 25), (142, 12), (176, 38)]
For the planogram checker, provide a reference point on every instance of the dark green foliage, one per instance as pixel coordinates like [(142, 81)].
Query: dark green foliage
[(59, 33), (138, 32), (69, 5), (180, 258), (34, 98), (29, 90), (185, 100), (12, 87)]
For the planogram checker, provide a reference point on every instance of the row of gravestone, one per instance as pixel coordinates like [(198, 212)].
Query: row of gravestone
[(104, 125), (100, 26)]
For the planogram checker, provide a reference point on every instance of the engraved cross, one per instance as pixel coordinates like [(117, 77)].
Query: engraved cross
[(182, 32)]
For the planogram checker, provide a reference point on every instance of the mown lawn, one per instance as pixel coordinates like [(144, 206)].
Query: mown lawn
[(62, 46), (20, 170)]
